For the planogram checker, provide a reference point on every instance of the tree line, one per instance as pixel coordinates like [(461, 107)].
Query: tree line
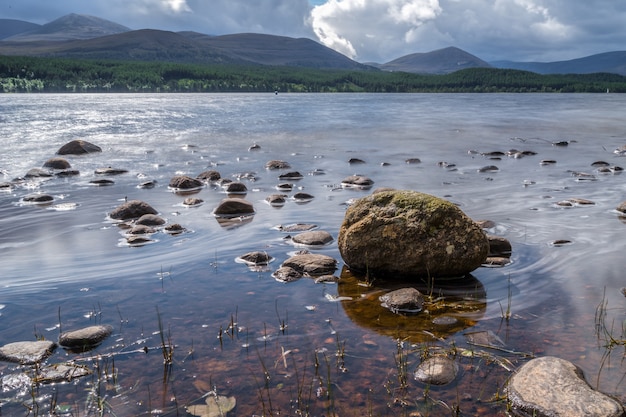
[(61, 75)]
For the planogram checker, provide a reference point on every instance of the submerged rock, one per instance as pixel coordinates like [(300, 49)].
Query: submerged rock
[(110, 171), (410, 234), (403, 300), (209, 176), (277, 164), (437, 370), (86, 338), (61, 372), (313, 238), (38, 198), (78, 147), (357, 181), (57, 163), (38, 173), (554, 387), (150, 219), (193, 201), (132, 210), (27, 353)]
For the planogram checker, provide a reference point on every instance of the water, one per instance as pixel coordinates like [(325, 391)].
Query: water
[(67, 263)]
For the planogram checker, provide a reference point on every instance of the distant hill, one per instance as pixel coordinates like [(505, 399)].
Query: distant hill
[(11, 27), (74, 36), (278, 50), (71, 26), (612, 62), (441, 61)]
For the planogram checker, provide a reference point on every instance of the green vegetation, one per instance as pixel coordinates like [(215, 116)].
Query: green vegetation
[(58, 75)]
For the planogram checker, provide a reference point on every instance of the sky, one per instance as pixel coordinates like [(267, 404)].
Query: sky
[(375, 30)]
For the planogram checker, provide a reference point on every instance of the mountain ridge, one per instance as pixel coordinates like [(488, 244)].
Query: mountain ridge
[(89, 37)]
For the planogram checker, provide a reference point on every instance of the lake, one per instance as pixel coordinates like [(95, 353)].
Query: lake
[(306, 348)]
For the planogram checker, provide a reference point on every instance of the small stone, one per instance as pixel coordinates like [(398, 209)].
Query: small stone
[(149, 219), (276, 164), (236, 188), (102, 182), (37, 198), (357, 181), (499, 246), (276, 199), (110, 171), (174, 229), (192, 201), (141, 229), (255, 258), (327, 279), (37, 173), (489, 168), (293, 175), (303, 197), (209, 176), (296, 227)]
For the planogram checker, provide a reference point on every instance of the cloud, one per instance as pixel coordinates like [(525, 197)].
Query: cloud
[(360, 28)]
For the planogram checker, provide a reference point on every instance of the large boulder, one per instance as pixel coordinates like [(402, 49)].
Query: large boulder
[(410, 234), (78, 147), (554, 387)]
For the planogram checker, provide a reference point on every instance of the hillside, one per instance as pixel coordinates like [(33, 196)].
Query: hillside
[(441, 61), (71, 26), (11, 27), (611, 62), (85, 37)]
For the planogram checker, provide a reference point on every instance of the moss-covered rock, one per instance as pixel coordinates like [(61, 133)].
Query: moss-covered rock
[(410, 234)]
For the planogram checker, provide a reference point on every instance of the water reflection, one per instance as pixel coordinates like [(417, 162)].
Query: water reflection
[(451, 306)]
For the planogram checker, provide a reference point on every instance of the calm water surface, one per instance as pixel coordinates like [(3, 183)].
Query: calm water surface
[(298, 346)]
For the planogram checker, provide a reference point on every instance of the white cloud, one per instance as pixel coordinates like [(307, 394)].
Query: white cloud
[(369, 29)]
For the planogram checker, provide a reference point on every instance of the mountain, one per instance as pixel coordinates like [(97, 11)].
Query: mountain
[(71, 26), (441, 61), (612, 62), (189, 47), (278, 50), (11, 27)]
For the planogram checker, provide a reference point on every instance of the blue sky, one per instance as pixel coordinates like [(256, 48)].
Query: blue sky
[(375, 30)]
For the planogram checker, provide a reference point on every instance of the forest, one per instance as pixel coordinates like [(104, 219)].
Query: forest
[(61, 75)]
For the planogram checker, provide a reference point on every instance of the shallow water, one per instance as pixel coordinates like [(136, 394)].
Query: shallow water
[(68, 263)]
